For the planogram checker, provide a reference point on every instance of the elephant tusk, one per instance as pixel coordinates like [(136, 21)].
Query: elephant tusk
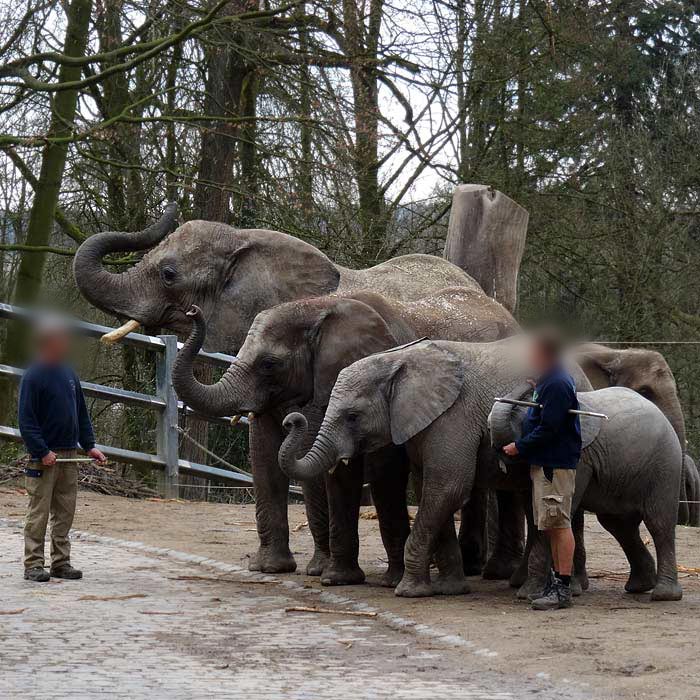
[(251, 415), (118, 333), (235, 419), (332, 469), (345, 461)]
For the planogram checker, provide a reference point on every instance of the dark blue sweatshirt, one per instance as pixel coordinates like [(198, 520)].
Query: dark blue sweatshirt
[(551, 435), (52, 411)]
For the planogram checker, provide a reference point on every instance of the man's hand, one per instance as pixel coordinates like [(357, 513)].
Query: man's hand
[(511, 450), (97, 455), (49, 459)]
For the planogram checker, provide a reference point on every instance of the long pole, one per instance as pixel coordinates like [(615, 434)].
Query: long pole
[(518, 402)]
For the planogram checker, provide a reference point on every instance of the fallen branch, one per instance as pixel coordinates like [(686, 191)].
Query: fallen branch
[(159, 612), (113, 597), (328, 611), (214, 579), (12, 612)]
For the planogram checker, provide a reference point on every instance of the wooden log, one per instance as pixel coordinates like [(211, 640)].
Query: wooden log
[(486, 238)]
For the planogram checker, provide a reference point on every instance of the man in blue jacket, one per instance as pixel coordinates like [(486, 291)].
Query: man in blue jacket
[(53, 421), (551, 444)]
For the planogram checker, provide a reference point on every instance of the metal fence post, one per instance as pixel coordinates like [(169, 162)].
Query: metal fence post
[(167, 435)]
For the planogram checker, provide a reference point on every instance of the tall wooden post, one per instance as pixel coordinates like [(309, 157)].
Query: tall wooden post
[(486, 238)]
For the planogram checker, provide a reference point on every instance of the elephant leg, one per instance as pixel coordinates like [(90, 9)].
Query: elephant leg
[(508, 551), (693, 495), (662, 526), (580, 579), (271, 487), (316, 504), (472, 532), (683, 498), (344, 489), (539, 557), (389, 495), (625, 529), (448, 557)]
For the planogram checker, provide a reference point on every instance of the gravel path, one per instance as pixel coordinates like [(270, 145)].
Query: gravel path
[(149, 625)]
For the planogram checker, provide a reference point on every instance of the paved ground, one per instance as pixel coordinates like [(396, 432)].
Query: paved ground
[(144, 625)]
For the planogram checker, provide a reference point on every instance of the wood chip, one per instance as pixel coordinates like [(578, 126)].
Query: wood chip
[(19, 611), (328, 611), (300, 526), (113, 597)]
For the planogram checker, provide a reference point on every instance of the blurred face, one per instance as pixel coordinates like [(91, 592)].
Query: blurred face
[(540, 359), (53, 347)]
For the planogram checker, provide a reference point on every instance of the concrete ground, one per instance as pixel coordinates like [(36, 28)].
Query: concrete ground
[(212, 629)]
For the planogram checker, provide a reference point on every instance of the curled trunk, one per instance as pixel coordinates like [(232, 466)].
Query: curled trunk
[(210, 399), (117, 293), (322, 456)]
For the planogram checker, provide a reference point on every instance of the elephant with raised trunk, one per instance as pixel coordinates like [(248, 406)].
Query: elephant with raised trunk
[(291, 358), (233, 274), (647, 372), (435, 398)]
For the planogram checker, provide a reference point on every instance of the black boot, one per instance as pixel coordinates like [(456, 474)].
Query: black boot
[(36, 573), (66, 571), (558, 597)]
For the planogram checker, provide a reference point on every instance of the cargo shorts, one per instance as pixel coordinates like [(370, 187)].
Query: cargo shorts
[(551, 500)]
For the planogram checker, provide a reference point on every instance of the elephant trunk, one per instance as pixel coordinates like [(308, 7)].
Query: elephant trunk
[(210, 399), (322, 456), (111, 292)]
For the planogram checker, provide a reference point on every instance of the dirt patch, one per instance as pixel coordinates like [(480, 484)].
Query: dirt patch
[(624, 646)]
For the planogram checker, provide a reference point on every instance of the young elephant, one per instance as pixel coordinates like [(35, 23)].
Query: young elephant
[(435, 397), (291, 358)]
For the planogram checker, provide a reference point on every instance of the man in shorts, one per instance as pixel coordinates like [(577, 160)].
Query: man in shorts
[(551, 444)]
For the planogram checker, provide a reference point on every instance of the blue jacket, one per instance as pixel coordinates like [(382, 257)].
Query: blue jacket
[(551, 435), (52, 411)]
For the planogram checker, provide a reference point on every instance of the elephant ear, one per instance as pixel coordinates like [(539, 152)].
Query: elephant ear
[(426, 381), (346, 331), (597, 363)]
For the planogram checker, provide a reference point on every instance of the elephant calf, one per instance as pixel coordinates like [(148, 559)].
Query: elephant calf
[(435, 397)]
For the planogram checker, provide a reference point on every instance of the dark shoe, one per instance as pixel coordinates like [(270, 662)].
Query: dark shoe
[(545, 591), (66, 571), (36, 573), (558, 597)]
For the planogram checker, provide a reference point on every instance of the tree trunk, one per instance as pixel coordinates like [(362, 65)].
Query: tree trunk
[(486, 238), (53, 161)]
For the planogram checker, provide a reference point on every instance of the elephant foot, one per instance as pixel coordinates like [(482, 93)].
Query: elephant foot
[(318, 563), (392, 576), (411, 587), (451, 585), (576, 587), (641, 582), (500, 568), (582, 579), (532, 585), (667, 590), (519, 576), (272, 561), (336, 574)]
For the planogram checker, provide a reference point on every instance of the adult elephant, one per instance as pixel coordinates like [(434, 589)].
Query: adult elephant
[(291, 358), (646, 372), (233, 274), (423, 396)]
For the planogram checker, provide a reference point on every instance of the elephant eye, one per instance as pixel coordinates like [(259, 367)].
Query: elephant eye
[(168, 274), (353, 417), (268, 364), (645, 391)]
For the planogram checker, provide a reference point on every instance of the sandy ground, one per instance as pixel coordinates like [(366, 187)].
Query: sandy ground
[(623, 645)]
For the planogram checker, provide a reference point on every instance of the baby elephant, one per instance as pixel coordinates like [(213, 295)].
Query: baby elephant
[(436, 398)]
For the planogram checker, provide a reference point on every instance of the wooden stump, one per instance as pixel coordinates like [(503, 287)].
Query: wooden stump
[(486, 238)]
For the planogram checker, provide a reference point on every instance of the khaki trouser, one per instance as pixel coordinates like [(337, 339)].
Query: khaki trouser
[(551, 500), (52, 494)]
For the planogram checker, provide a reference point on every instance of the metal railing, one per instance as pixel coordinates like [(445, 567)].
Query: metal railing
[(164, 403)]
